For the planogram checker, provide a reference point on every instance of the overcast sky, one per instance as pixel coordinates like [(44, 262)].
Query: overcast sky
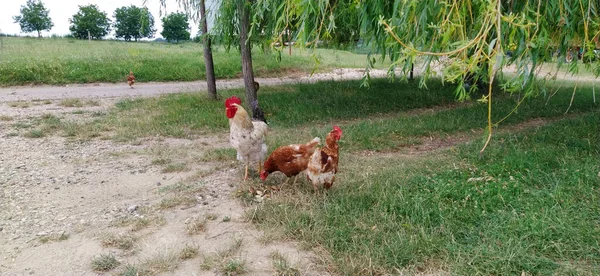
[(62, 10)]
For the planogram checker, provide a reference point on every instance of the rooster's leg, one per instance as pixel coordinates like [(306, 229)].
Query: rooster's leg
[(246, 174), (259, 167), (294, 183)]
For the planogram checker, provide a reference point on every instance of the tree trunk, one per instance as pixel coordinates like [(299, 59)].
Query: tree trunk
[(412, 71), (290, 41), (39, 34), (208, 57), (246, 50)]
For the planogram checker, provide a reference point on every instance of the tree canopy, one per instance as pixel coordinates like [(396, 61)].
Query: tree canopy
[(474, 38), (469, 33), (133, 23), (89, 20), (34, 18), (176, 27)]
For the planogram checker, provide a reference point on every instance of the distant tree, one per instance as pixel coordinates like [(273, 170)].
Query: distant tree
[(133, 23), (89, 20), (34, 18), (176, 27)]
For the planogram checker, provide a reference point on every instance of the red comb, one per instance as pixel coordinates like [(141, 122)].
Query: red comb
[(337, 128), (232, 100)]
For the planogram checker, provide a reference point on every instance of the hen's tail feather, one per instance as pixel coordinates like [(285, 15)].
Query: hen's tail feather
[(315, 141)]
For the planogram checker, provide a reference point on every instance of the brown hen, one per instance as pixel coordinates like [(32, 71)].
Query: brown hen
[(130, 79), (290, 160)]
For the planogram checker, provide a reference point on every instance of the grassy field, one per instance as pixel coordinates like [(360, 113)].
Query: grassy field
[(62, 60), (529, 206), (385, 109)]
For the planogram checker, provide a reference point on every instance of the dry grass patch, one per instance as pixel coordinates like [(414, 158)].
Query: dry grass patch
[(120, 241), (34, 133), (19, 104), (234, 267), (161, 263), (6, 118), (175, 167), (181, 194), (195, 226), (226, 260), (54, 237), (78, 103), (174, 201), (160, 161), (211, 216), (138, 223), (282, 265), (131, 270), (105, 262), (182, 188), (218, 155), (188, 252)]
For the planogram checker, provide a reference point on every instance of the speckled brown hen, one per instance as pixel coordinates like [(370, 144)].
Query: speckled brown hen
[(323, 164)]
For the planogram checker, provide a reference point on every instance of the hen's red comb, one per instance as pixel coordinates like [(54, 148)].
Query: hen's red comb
[(337, 129), (232, 100)]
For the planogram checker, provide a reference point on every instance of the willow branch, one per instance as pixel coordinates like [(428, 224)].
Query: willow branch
[(498, 49), (572, 97), (395, 37)]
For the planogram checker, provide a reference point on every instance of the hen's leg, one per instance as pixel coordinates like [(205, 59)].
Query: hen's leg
[(246, 174)]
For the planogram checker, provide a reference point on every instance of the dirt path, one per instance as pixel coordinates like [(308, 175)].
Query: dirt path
[(120, 90)]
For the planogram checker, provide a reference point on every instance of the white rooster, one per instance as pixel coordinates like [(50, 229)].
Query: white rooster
[(247, 136)]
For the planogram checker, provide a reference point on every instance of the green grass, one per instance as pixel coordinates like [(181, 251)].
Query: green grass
[(382, 117), (59, 61), (183, 115), (536, 213)]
